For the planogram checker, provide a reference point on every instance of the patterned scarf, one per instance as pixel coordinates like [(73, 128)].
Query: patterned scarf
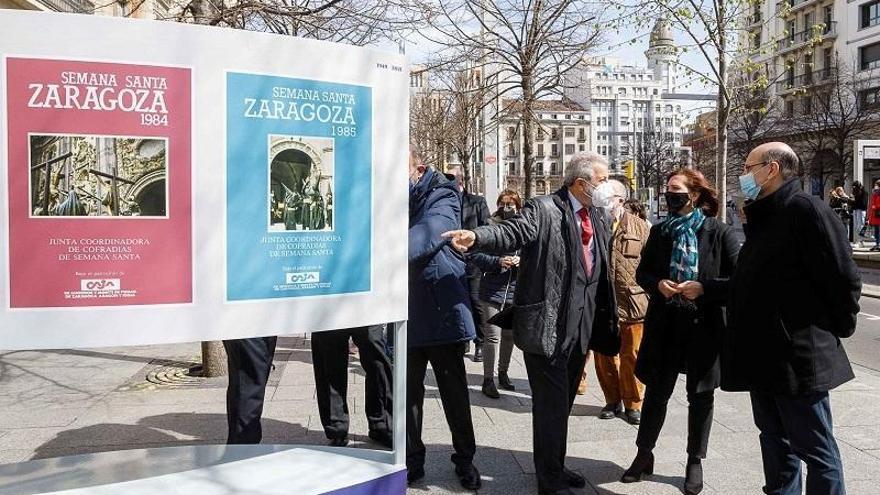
[(684, 264)]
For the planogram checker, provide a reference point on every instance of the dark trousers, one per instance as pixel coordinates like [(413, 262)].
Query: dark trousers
[(795, 429), (554, 383), (701, 405), (249, 361), (330, 364), (447, 361), (473, 277)]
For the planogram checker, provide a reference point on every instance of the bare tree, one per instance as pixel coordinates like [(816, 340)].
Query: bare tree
[(715, 29), (431, 114), (525, 47), (832, 114), (357, 22), (655, 158)]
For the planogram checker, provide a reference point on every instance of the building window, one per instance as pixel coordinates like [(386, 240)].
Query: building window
[(869, 56), (869, 14), (668, 136), (554, 150), (511, 168), (791, 30), (827, 62), (621, 91), (569, 149), (657, 122), (569, 132), (828, 17), (554, 133), (807, 105), (870, 98), (624, 122), (582, 147), (657, 108), (540, 149), (540, 133), (554, 168), (668, 121), (669, 108), (789, 108), (655, 91), (511, 133)]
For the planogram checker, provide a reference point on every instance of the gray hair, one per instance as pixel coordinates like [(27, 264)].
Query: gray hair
[(581, 166), (785, 157), (619, 188)]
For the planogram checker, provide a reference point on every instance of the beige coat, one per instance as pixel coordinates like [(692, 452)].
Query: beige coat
[(627, 242)]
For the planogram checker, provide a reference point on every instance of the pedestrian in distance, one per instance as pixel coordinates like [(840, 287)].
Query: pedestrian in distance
[(622, 390), (794, 296), (859, 208), (685, 268), (564, 303), (497, 288), (874, 215), (440, 321)]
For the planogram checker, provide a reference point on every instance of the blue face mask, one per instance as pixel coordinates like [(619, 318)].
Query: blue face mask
[(749, 186)]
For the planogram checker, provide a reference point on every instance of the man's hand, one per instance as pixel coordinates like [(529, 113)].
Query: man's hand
[(668, 288), (691, 289), (461, 240)]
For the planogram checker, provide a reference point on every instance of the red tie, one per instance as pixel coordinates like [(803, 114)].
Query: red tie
[(586, 237)]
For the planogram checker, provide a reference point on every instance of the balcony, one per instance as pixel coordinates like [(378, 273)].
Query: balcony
[(74, 6), (582, 138), (794, 4), (816, 77), (797, 39)]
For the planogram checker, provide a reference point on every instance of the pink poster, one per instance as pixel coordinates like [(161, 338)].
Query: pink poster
[(99, 183)]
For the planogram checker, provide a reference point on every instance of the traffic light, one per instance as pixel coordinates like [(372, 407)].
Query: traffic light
[(629, 170)]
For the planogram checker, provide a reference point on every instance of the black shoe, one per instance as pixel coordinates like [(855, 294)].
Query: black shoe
[(504, 381), (478, 353), (633, 416), (383, 438), (414, 474), (469, 477), (489, 389), (610, 411), (339, 442), (693, 476), (573, 479), (642, 466)]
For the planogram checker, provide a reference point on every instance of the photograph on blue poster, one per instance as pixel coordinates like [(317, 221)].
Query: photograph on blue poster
[(298, 187)]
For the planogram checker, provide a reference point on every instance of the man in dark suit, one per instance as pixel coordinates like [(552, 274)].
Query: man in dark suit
[(795, 295), (564, 303), (474, 213)]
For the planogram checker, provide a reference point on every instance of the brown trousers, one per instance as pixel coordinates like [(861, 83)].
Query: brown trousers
[(617, 374)]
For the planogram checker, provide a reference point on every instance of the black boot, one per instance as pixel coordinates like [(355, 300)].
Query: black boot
[(489, 389), (642, 466), (478, 353), (504, 381), (693, 476)]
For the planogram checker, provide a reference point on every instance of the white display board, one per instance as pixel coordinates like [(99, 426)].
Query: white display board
[(164, 182)]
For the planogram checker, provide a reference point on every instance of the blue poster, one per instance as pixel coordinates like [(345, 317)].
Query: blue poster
[(298, 187)]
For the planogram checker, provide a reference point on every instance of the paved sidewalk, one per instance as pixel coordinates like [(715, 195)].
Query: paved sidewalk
[(64, 402)]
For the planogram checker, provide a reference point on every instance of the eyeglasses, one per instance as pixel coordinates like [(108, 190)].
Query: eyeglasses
[(748, 168)]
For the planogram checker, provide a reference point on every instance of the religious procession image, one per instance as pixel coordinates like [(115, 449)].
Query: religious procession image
[(300, 183), (98, 176)]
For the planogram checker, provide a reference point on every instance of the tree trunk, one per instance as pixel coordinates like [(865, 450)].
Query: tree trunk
[(528, 140), (721, 138), (213, 359)]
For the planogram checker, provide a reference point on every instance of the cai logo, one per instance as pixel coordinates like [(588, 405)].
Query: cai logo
[(94, 284), (303, 277)]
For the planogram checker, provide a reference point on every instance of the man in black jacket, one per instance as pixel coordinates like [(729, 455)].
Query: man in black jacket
[(795, 295), (474, 213), (564, 303)]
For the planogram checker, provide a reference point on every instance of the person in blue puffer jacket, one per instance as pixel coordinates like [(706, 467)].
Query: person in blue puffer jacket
[(440, 321)]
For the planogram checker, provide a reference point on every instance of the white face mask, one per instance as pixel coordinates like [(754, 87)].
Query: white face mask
[(603, 196)]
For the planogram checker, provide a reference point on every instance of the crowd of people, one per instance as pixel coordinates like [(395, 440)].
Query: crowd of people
[(580, 272)]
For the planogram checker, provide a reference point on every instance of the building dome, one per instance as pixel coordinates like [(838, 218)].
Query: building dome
[(661, 35)]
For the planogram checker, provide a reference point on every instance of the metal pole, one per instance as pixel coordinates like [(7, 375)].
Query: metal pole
[(399, 394)]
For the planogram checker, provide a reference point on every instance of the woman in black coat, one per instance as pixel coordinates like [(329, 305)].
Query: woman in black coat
[(685, 267)]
